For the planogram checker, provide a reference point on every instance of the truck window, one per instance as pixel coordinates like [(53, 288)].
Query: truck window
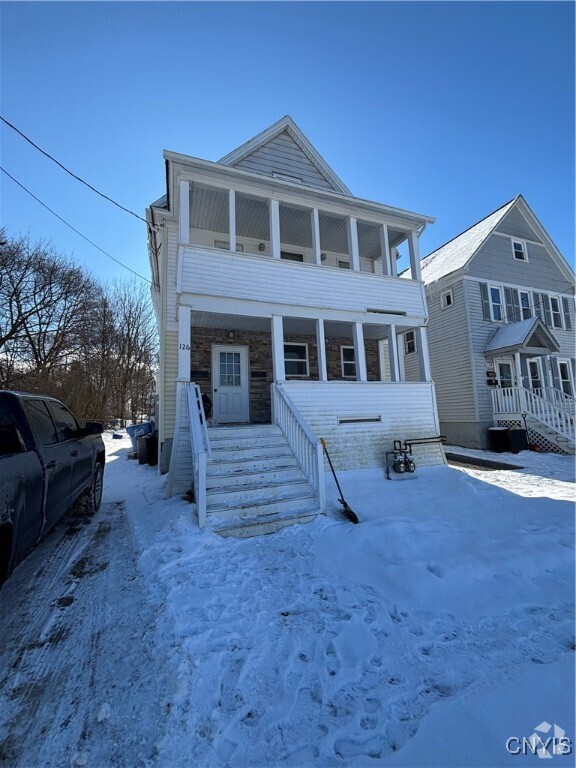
[(41, 422), (66, 424), (10, 440)]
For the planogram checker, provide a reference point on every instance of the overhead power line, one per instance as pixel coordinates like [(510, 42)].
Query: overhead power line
[(74, 228), (74, 176)]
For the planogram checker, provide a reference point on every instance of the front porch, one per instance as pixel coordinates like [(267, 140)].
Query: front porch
[(531, 385)]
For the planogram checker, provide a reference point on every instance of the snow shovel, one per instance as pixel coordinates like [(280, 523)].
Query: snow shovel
[(350, 514)]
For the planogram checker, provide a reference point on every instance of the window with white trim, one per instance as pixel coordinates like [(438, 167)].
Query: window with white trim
[(496, 306), (519, 250), (566, 379), (556, 312), (525, 307), (296, 360), (409, 342), (348, 359), (447, 299)]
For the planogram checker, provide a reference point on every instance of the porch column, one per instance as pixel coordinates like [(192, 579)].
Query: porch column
[(385, 250), (393, 353), (316, 236), (353, 249), (423, 354), (278, 367), (359, 352), (275, 227), (414, 248), (184, 212), (232, 218), (321, 348), (184, 321)]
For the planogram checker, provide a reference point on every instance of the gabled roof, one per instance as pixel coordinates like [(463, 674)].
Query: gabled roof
[(287, 125), (456, 253), (515, 336)]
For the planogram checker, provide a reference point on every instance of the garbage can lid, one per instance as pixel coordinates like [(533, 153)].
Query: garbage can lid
[(498, 429)]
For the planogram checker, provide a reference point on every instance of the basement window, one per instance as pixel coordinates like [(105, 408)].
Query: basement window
[(359, 419), (287, 256)]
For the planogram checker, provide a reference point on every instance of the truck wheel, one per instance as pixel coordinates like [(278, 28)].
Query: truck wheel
[(96, 488)]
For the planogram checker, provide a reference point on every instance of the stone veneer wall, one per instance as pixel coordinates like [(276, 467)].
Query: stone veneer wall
[(260, 362)]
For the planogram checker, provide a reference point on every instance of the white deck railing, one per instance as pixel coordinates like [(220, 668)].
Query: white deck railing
[(200, 448), (558, 397), (305, 445), (517, 400)]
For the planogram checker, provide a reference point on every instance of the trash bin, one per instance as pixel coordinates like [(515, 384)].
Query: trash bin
[(135, 430), (152, 448), (498, 439), (518, 440), (142, 449)]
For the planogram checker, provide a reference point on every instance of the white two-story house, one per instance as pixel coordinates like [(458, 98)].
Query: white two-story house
[(277, 298), (501, 333)]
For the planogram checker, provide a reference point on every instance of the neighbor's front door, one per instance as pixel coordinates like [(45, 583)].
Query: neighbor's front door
[(230, 384), (505, 375)]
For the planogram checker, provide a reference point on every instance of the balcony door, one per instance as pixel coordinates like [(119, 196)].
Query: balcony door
[(230, 384)]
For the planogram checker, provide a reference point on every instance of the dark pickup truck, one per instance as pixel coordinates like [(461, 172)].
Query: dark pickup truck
[(47, 463)]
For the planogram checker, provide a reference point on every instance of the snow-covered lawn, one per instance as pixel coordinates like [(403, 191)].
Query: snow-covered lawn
[(428, 635)]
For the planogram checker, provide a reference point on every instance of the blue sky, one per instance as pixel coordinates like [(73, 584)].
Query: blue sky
[(448, 109)]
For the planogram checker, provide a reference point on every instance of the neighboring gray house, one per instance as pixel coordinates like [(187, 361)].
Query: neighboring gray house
[(501, 331)]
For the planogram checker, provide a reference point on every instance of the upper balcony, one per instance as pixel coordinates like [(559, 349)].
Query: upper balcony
[(293, 229)]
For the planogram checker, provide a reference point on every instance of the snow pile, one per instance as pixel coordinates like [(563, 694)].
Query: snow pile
[(427, 635)]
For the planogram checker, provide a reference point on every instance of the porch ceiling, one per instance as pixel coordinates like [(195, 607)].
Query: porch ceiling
[(293, 326), (209, 211)]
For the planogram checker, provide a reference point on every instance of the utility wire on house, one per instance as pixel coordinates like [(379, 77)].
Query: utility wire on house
[(74, 176), (74, 228)]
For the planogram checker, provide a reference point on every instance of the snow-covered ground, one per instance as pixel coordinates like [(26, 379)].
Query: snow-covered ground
[(428, 635)]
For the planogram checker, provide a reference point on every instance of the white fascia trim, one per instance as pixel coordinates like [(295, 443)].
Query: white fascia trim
[(272, 185), (518, 239)]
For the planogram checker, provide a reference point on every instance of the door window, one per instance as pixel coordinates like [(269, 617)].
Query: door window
[(566, 378), (66, 424), (10, 439), (505, 375), (230, 369), (41, 422), (535, 374)]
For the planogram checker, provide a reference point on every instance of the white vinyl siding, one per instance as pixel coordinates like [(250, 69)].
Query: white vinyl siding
[(237, 276), (406, 409)]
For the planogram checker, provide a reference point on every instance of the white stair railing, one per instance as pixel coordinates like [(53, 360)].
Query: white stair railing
[(557, 396), (200, 448), (516, 400), (306, 447)]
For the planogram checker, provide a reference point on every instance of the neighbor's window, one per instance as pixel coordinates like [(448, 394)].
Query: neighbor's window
[(519, 250), (447, 299), (556, 312), (348, 359), (409, 342), (496, 303), (296, 359), (525, 305)]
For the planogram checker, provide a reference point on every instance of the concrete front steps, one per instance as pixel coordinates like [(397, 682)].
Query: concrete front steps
[(254, 484)]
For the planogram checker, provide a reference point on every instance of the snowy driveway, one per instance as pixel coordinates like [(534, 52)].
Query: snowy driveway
[(444, 620)]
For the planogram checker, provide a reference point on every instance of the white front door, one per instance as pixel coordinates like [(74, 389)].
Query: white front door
[(230, 384)]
